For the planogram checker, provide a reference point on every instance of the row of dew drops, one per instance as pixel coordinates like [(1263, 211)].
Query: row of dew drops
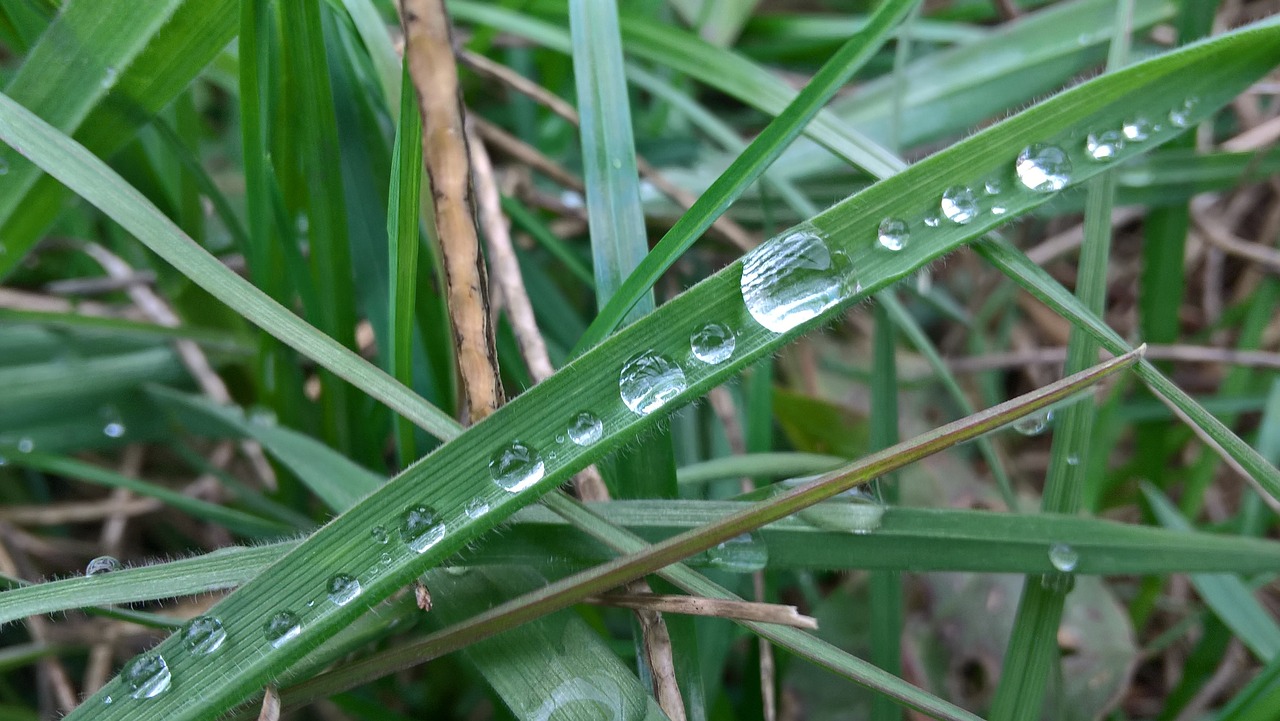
[(786, 281)]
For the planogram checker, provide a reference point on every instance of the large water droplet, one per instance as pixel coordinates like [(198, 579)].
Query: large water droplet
[(1138, 129), (379, 535), (893, 234), (741, 554), (101, 565), (713, 343), (147, 676), (585, 428), (855, 511), (959, 205), (648, 380), (281, 628), (790, 279), (1043, 168), (343, 589), (476, 507), (516, 467), (1063, 557), (1033, 424), (421, 528), (1180, 116), (203, 635), (1104, 146)]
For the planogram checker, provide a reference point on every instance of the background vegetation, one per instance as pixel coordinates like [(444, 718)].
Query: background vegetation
[(263, 311)]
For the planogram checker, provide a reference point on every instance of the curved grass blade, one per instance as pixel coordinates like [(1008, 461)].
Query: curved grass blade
[(70, 163)]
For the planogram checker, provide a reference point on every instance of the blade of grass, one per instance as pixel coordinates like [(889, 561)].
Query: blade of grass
[(403, 233), (885, 586)]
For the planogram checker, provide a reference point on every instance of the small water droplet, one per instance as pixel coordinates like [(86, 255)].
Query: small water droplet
[(379, 534), (384, 559), (1073, 460), (713, 343), (1043, 168), (993, 186), (617, 164), (1063, 557), (147, 676), (263, 416), (893, 234), (998, 209), (343, 589), (457, 570), (421, 528), (26, 445), (585, 428), (281, 628), (1137, 129), (1104, 146), (516, 467), (1180, 116), (302, 223), (790, 279), (107, 700), (559, 438), (855, 511), (932, 220), (741, 554), (648, 380), (476, 507), (1033, 424), (4, 167), (109, 77), (101, 565), (113, 429), (203, 635), (959, 205)]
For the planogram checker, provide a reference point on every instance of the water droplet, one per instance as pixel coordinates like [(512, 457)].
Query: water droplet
[(107, 700), (147, 676), (263, 416), (1073, 460), (476, 507), (648, 380), (343, 589), (302, 223), (993, 186), (1137, 129), (1180, 116), (893, 234), (959, 205), (281, 628), (203, 635), (998, 210), (114, 429), (101, 565), (572, 200), (384, 559), (559, 438), (1033, 424), (932, 220), (713, 343), (421, 528), (741, 554), (516, 467), (457, 570), (379, 535), (585, 428), (26, 445), (1104, 146), (1043, 168), (593, 697), (109, 77), (4, 167), (790, 279), (1063, 557), (855, 510)]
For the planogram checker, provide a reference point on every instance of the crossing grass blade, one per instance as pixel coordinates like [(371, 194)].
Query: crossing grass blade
[(458, 472)]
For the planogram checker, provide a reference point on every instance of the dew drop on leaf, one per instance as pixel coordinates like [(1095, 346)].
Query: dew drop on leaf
[(516, 467), (893, 234), (101, 565), (1103, 146), (147, 676), (1043, 168), (959, 205), (585, 428), (1063, 557), (648, 380), (203, 635), (713, 343), (343, 589), (790, 279), (741, 554), (421, 528), (281, 628)]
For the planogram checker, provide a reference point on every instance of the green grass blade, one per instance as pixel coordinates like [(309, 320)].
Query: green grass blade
[(404, 238), (1229, 597), (748, 166), (94, 181), (141, 55), (885, 586)]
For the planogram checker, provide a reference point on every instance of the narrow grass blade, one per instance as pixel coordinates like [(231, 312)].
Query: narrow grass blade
[(403, 236), (92, 179)]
